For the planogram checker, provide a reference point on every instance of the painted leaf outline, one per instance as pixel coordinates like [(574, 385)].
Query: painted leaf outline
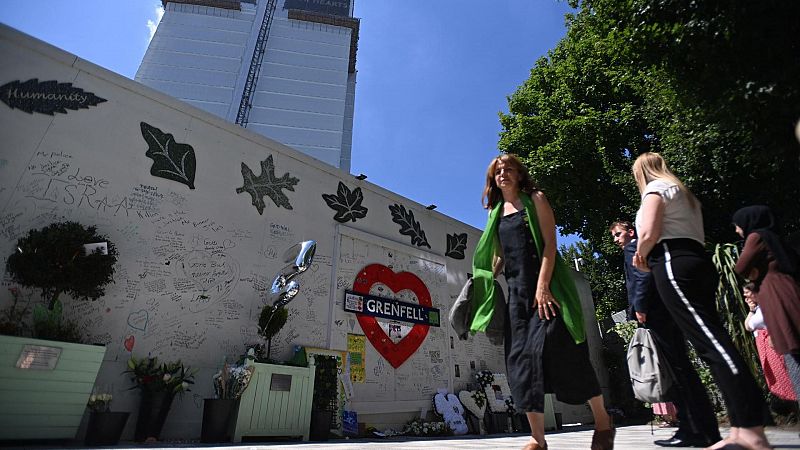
[(171, 160), (456, 244), (346, 203), (46, 88), (408, 226), (267, 184)]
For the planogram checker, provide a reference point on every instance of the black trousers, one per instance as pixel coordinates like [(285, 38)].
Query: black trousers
[(687, 281), (695, 411)]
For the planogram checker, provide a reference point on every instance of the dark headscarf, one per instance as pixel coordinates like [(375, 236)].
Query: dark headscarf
[(759, 219)]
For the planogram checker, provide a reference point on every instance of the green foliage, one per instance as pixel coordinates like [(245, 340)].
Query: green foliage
[(625, 330), (615, 349), (604, 274), (270, 322), (704, 372), (713, 86), (52, 259), (731, 307), (326, 383), (150, 375), (13, 318), (49, 324)]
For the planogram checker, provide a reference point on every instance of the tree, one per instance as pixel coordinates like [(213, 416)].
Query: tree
[(712, 86), (604, 275)]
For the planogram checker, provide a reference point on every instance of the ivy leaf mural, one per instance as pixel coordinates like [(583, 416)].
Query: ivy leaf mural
[(47, 97), (456, 244), (346, 203), (408, 226), (267, 184), (171, 160)]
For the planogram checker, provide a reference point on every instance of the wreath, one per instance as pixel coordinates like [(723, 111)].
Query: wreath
[(498, 394)]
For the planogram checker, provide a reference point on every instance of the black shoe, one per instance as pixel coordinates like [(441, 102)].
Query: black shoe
[(684, 441)]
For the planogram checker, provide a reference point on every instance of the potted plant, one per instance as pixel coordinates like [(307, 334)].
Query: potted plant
[(285, 389), (219, 413), (158, 383), (326, 389), (61, 258), (105, 426)]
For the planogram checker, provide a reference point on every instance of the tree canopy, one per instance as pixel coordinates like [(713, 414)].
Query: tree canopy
[(713, 86)]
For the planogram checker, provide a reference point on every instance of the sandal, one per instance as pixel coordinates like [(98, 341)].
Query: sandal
[(603, 439)]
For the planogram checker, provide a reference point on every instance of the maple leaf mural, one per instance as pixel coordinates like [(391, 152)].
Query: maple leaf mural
[(171, 160), (346, 203), (456, 244), (267, 184)]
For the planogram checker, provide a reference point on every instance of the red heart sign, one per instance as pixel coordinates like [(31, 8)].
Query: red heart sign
[(398, 353), (129, 341)]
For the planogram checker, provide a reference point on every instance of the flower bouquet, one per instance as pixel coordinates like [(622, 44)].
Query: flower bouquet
[(104, 427), (231, 381), (100, 402), (158, 382), (484, 378), (418, 427), (218, 413)]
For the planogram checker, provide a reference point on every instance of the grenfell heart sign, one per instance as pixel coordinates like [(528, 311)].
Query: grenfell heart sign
[(367, 307)]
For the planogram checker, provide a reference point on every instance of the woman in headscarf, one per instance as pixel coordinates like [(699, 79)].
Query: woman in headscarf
[(545, 339), (671, 244), (773, 266)]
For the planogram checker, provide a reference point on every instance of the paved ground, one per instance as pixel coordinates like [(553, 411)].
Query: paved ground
[(637, 437)]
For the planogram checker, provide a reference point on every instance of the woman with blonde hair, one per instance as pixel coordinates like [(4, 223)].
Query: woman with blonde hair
[(545, 340), (671, 239)]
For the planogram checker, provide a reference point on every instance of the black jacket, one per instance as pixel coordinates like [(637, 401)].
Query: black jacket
[(642, 295)]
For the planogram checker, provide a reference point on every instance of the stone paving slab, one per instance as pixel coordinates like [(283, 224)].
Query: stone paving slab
[(636, 437)]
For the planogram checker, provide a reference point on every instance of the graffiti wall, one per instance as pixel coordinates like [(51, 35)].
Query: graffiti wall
[(201, 212)]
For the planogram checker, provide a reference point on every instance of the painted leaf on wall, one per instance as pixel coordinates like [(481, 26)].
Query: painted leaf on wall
[(456, 244), (408, 226), (47, 97), (346, 203), (267, 184), (171, 160)]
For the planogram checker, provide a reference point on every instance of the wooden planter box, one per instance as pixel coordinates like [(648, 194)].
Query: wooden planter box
[(277, 402), (45, 403)]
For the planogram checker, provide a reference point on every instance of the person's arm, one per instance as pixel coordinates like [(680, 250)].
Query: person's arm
[(649, 229), (754, 254), (747, 321), (641, 283), (544, 302), (498, 265)]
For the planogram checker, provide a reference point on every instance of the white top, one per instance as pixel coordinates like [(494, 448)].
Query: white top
[(681, 219), (756, 321)]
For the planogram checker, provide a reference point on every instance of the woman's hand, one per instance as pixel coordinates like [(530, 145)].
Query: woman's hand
[(545, 303), (640, 262)]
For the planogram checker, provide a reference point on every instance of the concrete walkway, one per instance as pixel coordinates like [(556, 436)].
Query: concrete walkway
[(636, 437)]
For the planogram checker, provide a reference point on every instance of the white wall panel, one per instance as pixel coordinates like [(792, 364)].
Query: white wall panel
[(329, 122), (299, 103)]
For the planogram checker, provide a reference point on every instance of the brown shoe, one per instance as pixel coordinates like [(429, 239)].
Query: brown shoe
[(603, 439)]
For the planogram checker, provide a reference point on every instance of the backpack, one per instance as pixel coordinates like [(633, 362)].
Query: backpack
[(651, 376)]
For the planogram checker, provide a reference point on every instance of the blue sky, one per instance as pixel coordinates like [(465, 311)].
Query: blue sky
[(432, 77)]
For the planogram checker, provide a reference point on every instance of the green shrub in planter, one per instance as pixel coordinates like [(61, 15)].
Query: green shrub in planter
[(53, 260)]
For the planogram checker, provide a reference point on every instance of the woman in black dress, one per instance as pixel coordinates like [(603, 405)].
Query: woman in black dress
[(545, 342)]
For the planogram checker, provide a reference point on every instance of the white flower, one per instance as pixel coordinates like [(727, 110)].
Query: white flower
[(184, 385), (167, 377), (92, 398)]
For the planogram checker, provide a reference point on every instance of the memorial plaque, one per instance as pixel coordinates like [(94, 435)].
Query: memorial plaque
[(38, 357)]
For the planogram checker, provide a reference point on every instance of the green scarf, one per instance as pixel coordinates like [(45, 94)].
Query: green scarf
[(561, 285)]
